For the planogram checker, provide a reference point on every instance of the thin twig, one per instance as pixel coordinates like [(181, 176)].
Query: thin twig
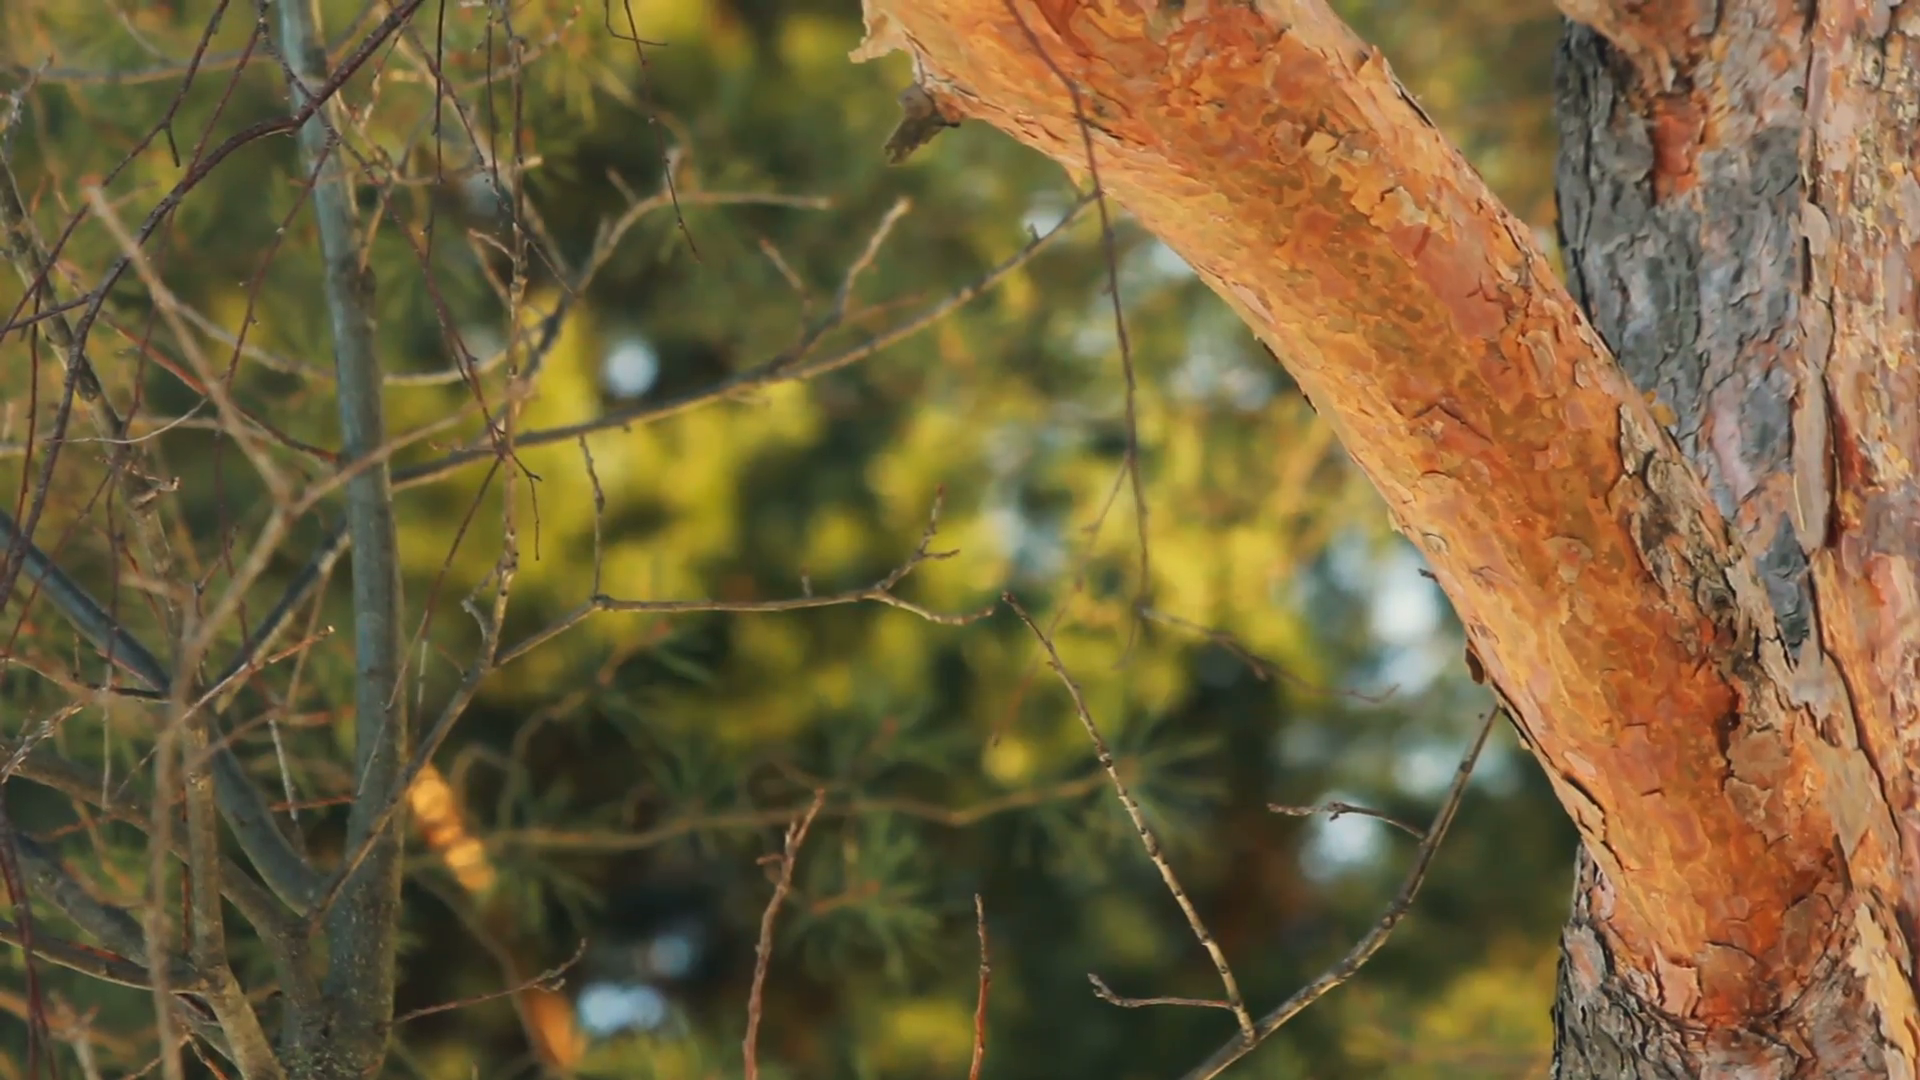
[(76, 782), (252, 1051), (1139, 819), (1110, 245), (980, 1002), (1262, 668), (790, 365), (113, 927), (1106, 993), (546, 980), (1363, 949), (99, 963), (241, 801), (880, 592), (1335, 809), (954, 817), (483, 664), (763, 951)]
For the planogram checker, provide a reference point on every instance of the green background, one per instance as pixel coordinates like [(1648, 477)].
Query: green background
[(622, 778)]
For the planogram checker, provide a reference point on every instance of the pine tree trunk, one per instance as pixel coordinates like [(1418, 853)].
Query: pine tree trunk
[(1740, 221), (1682, 535)]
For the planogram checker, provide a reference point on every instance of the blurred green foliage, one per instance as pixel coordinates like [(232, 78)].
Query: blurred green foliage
[(625, 778)]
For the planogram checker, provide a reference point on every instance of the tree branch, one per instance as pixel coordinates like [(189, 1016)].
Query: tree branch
[(361, 932), (111, 926), (763, 951), (1586, 559), (1363, 949), (880, 592), (251, 1050), (1233, 1003), (257, 905), (98, 963), (240, 799), (790, 365)]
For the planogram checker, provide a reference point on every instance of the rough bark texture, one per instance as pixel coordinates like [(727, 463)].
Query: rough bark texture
[(1698, 602), (1741, 220)]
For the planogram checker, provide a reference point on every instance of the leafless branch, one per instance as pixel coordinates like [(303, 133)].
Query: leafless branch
[(954, 817), (880, 592), (381, 815), (1111, 246), (1139, 819), (980, 1002), (41, 766), (763, 951), (1106, 993), (112, 926), (240, 799), (1262, 668), (98, 963), (1335, 809), (791, 365), (546, 980), (252, 1051), (1369, 944)]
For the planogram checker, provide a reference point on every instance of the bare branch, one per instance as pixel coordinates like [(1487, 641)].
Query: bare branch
[(83, 611), (1105, 993), (483, 664), (252, 1051), (1139, 819), (1262, 668), (1110, 246), (114, 927), (1363, 949), (953, 817), (99, 963), (763, 951), (880, 592), (1335, 809), (156, 927), (546, 980), (38, 764), (980, 1003), (240, 799), (790, 365)]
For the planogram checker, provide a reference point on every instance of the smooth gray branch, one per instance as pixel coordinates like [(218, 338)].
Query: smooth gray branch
[(362, 931), (240, 799)]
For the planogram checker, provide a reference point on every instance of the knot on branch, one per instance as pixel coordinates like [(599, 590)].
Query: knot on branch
[(920, 120)]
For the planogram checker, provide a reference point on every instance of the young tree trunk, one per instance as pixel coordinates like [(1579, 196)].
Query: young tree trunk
[(1682, 535)]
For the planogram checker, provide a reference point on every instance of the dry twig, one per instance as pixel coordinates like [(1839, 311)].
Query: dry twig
[(986, 981), (1335, 809), (1139, 819), (763, 951), (880, 592), (1369, 944)]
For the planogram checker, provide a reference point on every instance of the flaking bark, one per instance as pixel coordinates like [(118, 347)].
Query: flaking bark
[(1688, 570)]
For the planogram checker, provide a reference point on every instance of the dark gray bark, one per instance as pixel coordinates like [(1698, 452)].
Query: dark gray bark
[(1699, 296)]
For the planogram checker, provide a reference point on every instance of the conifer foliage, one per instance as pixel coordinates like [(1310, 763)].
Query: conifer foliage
[(531, 548)]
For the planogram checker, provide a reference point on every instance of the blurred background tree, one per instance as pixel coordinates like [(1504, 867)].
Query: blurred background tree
[(620, 784)]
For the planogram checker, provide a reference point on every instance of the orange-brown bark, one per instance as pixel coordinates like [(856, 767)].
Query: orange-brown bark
[(1746, 845), (1788, 228), (1660, 36)]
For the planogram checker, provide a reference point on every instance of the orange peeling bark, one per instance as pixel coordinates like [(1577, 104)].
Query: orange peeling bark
[(1278, 154)]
